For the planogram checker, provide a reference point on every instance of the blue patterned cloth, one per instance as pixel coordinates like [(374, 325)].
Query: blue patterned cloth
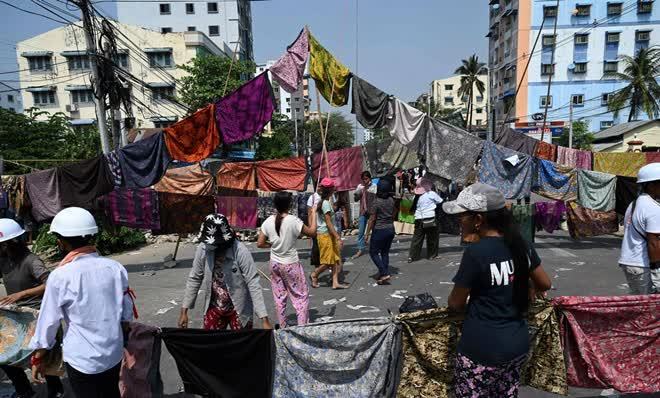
[(344, 359), (17, 325), (554, 181), (515, 182)]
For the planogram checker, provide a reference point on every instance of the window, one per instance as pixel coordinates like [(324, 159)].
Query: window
[(297, 99), (163, 124), (288, 100), (121, 60), (583, 10), (82, 96), (192, 28), (13, 109), (580, 67), (548, 40), (449, 87), (214, 30), (480, 110), (10, 98), (577, 99), (545, 101), (212, 7), (614, 9), (160, 59), (582, 39), (478, 122), (297, 110), (480, 99), (190, 8), (550, 11), (611, 37), (606, 124), (288, 110), (165, 30), (449, 100), (611, 66), (165, 9), (605, 99), (162, 93), (39, 64), (644, 6), (43, 97), (78, 62), (643, 35), (547, 69)]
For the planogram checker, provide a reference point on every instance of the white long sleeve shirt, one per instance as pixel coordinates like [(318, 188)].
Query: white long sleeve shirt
[(89, 295), (426, 205)]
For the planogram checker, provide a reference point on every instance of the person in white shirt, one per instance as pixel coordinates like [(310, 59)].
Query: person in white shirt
[(280, 233), (313, 202), (640, 249), (426, 224), (91, 295)]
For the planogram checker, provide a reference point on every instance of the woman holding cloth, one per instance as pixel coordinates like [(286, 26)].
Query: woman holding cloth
[(426, 225), (280, 232), (498, 275)]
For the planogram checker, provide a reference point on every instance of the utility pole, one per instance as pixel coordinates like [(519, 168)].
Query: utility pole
[(295, 126), (429, 100), (570, 124), (99, 95)]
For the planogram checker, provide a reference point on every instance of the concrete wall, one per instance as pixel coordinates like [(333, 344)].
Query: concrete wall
[(146, 109), (10, 98), (650, 134)]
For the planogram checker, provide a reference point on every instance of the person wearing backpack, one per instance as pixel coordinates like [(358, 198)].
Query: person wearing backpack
[(640, 248)]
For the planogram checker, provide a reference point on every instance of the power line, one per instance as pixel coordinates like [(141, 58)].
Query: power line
[(30, 12)]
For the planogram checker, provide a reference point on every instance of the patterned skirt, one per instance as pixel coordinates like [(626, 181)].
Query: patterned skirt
[(472, 380)]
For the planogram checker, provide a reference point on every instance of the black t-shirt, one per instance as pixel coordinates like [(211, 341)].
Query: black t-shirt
[(494, 331)]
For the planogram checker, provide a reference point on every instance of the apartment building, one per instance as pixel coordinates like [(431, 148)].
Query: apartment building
[(228, 23), (293, 105), (591, 37), (55, 72), (10, 98), (445, 93)]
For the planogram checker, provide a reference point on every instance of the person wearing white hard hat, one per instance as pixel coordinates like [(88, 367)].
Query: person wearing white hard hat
[(24, 276), (640, 249), (90, 294)]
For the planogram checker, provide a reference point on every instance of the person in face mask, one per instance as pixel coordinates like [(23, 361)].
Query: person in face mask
[(226, 269)]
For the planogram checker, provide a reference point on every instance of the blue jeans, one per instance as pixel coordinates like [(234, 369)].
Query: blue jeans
[(362, 226), (379, 249)]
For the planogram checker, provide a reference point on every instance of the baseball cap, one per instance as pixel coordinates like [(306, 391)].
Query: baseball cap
[(477, 197)]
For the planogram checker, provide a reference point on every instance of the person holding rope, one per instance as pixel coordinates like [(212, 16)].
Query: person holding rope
[(329, 241)]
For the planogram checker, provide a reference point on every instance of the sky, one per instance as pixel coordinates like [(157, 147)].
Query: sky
[(401, 45)]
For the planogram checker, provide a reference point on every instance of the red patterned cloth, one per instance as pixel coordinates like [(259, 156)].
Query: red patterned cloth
[(346, 165), (611, 342), (282, 174)]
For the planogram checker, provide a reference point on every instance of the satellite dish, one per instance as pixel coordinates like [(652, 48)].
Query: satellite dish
[(571, 66), (537, 116)]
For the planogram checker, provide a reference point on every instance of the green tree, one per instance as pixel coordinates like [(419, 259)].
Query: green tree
[(206, 79), (582, 138), (278, 144), (470, 72), (39, 135), (642, 94), (339, 135), (437, 111)]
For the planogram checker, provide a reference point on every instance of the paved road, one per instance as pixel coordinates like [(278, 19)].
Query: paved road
[(585, 267)]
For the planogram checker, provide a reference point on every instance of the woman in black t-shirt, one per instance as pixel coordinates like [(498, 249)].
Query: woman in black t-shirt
[(381, 226), (495, 274)]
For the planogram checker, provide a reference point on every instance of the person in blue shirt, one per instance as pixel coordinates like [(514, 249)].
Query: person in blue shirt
[(498, 275)]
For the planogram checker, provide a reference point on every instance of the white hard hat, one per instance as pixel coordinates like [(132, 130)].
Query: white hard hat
[(9, 229), (74, 221), (648, 173)]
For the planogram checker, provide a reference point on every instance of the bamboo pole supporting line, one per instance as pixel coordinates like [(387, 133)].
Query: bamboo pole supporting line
[(231, 65), (324, 152)]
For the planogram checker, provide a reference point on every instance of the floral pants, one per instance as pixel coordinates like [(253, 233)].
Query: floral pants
[(472, 380), (216, 319), (289, 280)]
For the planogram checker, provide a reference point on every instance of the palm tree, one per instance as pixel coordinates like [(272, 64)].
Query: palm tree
[(642, 94), (470, 72)]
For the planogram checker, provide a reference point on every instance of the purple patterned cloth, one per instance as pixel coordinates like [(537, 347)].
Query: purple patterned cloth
[(548, 215), (135, 208), (289, 69), (245, 112)]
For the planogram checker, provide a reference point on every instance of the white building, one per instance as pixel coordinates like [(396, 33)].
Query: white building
[(292, 105), (55, 72), (10, 98), (228, 23), (445, 94)]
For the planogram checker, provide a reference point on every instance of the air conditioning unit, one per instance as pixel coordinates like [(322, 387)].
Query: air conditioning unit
[(72, 108)]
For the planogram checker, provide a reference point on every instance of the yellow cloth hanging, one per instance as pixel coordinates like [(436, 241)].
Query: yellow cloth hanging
[(622, 163), (331, 77)]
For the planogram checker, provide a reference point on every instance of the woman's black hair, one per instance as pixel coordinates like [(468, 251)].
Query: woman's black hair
[(326, 194), (76, 242), (282, 202), (502, 220)]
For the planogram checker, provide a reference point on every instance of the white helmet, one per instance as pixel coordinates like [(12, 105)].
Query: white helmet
[(74, 221), (9, 229), (648, 173)]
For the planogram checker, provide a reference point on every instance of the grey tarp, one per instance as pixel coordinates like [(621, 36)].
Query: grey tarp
[(370, 104), (518, 142), (388, 156), (450, 152)]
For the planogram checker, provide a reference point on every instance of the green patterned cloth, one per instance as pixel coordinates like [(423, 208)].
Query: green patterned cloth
[(524, 217), (405, 213), (429, 347), (331, 77), (596, 191)]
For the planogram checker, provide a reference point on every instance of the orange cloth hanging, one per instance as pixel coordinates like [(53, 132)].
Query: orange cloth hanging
[(282, 174), (237, 176), (546, 151), (195, 137), (189, 180)]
